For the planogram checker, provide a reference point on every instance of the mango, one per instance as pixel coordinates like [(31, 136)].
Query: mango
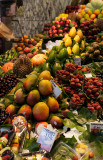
[(26, 110), (30, 82), (79, 33), (33, 97), (75, 49), (72, 32), (69, 50), (77, 39), (68, 42), (19, 97)]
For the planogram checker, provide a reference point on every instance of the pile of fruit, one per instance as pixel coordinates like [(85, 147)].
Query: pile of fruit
[(92, 11), (82, 90), (90, 30)]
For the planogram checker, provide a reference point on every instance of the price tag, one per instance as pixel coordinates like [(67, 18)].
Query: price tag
[(88, 75), (46, 139), (56, 89), (96, 127)]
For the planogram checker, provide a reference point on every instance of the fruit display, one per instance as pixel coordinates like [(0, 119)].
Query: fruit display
[(51, 99), (71, 9), (94, 52), (7, 82), (90, 30), (92, 11), (8, 56), (59, 28)]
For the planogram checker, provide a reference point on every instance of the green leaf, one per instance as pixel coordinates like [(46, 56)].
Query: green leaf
[(31, 145), (1, 71), (33, 49), (80, 119), (72, 124)]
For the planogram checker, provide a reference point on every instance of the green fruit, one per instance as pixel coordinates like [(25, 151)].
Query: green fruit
[(55, 48), (67, 61), (46, 66), (62, 54), (63, 150), (57, 156), (56, 67), (51, 57)]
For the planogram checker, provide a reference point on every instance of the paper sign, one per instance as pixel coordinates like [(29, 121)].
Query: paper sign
[(96, 127), (46, 139), (56, 89), (88, 75), (77, 61)]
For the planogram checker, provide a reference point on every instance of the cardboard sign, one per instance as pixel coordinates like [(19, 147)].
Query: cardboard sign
[(46, 139), (56, 89), (96, 127)]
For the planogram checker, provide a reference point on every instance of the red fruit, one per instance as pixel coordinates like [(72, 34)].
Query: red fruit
[(75, 158), (97, 94), (53, 27), (64, 112), (5, 135), (61, 23), (54, 31), (89, 91), (30, 55), (98, 107), (30, 42), (50, 31), (27, 50), (6, 157), (45, 158), (65, 29), (20, 53), (56, 22), (34, 43), (63, 18), (55, 35), (78, 85), (60, 35), (67, 21), (60, 31), (30, 45), (58, 26), (35, 53), (76, 80), (91, 108), (91, 155), (51, 36)]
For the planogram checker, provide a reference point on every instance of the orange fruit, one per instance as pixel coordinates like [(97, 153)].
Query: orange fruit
[(41, 111), (89, 12), (45, 87), (32, 39), (25, 37), (20, 44), (97, 11), (16, 46), (102, 12), (26, 40), (93, 16), (83, 6), (19, 48), (102, 37)]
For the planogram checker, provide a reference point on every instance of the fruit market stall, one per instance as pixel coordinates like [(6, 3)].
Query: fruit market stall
[(51, 101)]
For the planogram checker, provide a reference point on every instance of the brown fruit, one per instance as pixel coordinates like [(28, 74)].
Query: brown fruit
[(33, 97), (64, 112), (56, 122), (41, 111), (45, 87), (26, 110), (53, 104)]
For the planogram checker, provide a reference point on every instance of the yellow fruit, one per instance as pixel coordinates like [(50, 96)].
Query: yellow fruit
[(82, 12), (69, 50), (82, 54), (89, 12), (41, 111), (77, 39), (102, 12), (68, 42), (97, 11), (75, 49), (45, 75), (45, 87), (72, 32), (65, 37), (79, 33)]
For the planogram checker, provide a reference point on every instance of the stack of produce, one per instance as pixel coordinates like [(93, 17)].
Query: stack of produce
[(93, 11), (60, 16), (60, 27), (94, 52), (8, 56), (71, 9), (90, 30), (82, 90)]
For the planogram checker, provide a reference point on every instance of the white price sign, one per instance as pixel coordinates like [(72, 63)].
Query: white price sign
[(88, 75), (56, 89), (46, 139), (96, 126)]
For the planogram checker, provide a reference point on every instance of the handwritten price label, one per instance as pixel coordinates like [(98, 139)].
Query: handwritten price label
[(88, 75), (56, 89), (96, 127), (46, 139)]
